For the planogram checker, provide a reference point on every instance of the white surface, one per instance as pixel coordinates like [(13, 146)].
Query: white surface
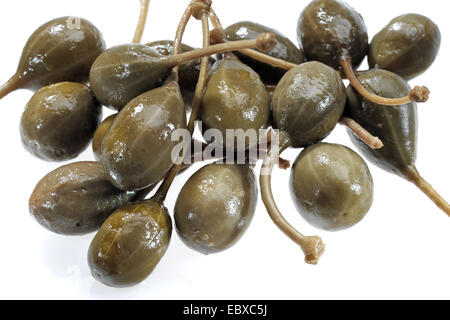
[(401, 249)]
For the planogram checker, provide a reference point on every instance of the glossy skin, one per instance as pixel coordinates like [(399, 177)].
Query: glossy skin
[(235, 98), (189, 72), (331, 29), (130, 244), (124, 72), (407, 46), (76, 199), (331, 186), (395, 126), (308, 103), (60, 50), (59, 121), (215, 207), (136, 151), (284, 49), (100, 134)]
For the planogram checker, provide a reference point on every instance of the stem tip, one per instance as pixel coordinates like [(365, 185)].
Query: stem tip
[(266, 42), (313, 248)]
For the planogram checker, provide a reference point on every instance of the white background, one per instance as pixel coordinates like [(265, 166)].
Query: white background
[(401, 249)]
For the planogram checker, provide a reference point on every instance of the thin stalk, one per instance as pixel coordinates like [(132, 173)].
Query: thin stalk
[(264, 42), (143, 13), (428, 190), (220, 37), (179, 38), (364, 135), (418, 94), (313, 247), (161, 194)]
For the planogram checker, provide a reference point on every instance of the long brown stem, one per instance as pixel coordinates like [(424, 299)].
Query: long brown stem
[(313, 247), (415, 177), (179, 38), (200, 88), (141, 22), (264, 42), (364, 135), (418, 94), (10, 86), (259, 56)]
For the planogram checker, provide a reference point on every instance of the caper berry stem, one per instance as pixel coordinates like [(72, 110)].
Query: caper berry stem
[(414, 176), (179, 38), (364, 135), (418, 94), (143, 13), (264, 42), (199, 90), (313, 247), (10, 86), (219, 37)]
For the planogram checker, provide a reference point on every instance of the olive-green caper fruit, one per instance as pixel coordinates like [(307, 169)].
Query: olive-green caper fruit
[(76, 199), (122, 73), (395, 126), (59, 121), (130, 244), (215, 207), (235, 99), (308, 103), (63, 49), (188, 72), (284, 49), (136, 152), (330, 30), (100, 134), (331, 186), (407, 46)]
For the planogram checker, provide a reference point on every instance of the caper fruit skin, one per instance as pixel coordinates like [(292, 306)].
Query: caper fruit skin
[(216, 206), (284, 49), (136, 151), (59, 121), (63, 49), (122, 73), (331, 29), (395, 126), (100, 134), (76, 199), (235, 98), (130, 244), (308, 103), (188, 72), (407, 46), (331, 186)]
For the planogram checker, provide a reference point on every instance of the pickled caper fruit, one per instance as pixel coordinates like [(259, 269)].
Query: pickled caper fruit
[(331, 186), (76, 199), (216, 206), (130, 244), (59, 121)]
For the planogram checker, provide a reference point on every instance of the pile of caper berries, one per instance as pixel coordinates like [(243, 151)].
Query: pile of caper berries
[(246, 77)]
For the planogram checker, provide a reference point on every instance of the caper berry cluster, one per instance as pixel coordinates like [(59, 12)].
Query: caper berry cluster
[(246, 77)]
